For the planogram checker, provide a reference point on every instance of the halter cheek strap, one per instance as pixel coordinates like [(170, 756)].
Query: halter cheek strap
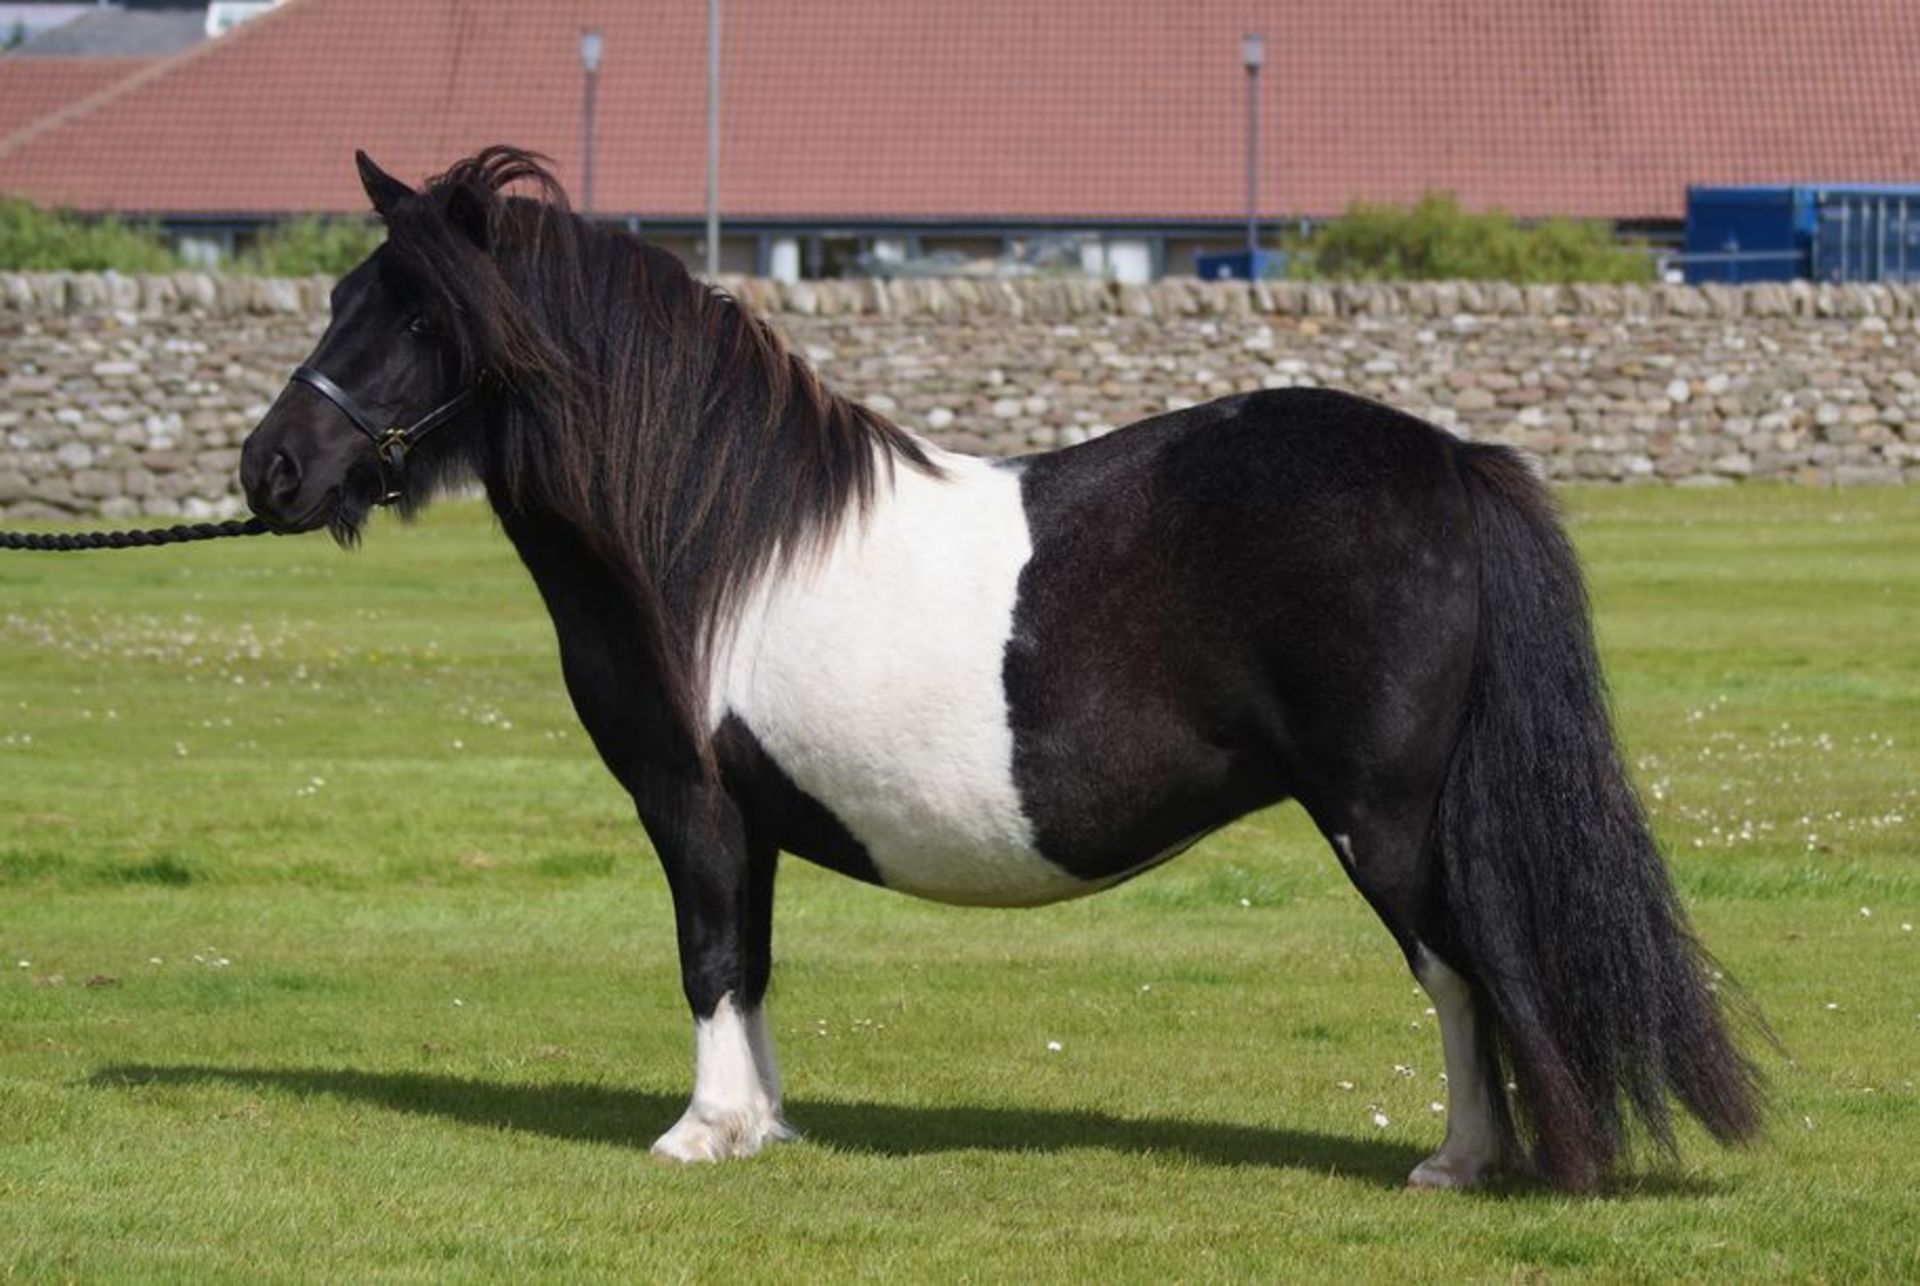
[(391, 445)]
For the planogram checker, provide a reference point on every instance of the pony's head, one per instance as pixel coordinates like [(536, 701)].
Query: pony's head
[(393, 400), (597, 389)]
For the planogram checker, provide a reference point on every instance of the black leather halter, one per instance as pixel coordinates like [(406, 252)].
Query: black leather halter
[(390, 446)]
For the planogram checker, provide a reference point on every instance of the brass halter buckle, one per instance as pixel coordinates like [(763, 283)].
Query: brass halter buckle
[(390, 449)]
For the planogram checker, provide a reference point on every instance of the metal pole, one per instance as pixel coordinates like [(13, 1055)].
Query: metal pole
[(713, 138), (1253, 54), (591, 44), (1253, 158), (586, 144)]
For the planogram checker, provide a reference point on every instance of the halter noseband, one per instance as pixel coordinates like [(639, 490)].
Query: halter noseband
[(390, 446)]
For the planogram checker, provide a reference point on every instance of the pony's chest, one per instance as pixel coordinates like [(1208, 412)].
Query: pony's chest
[(874, 680)]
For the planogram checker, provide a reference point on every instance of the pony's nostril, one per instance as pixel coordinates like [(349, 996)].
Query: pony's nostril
[(283, 476)]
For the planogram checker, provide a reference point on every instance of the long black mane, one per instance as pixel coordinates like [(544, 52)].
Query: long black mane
[(656, 416)]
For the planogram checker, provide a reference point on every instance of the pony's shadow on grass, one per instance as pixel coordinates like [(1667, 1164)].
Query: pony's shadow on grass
[(632, 1118)]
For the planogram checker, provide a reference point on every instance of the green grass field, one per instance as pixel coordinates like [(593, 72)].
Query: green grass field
[(330, 952)]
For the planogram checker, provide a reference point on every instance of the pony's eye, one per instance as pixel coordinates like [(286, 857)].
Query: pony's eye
[(419, 325)]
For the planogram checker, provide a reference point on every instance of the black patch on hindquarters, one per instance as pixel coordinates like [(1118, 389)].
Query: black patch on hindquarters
[(1256, 598)]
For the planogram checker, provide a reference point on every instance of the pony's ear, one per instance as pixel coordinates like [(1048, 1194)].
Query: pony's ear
[(383, 189), (468, 212)]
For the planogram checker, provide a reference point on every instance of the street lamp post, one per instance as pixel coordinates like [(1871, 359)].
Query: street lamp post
[(590, 48), (1253, 56), (713, 139)]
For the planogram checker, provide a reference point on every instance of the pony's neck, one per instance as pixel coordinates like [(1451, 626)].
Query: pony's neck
[(693, 465)]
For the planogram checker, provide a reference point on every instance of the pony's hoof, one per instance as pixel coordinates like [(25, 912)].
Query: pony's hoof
[(1439, 1172), (720, 1134)]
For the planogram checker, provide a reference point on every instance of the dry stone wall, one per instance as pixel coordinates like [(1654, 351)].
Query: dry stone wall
[(130, 396)]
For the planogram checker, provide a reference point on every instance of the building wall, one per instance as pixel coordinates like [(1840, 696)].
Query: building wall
[(123, 397), (738, 255), (973, 247)]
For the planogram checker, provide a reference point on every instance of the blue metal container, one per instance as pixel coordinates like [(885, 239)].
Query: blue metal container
[(1749, 234), (1867, 234), (1244, 265), (1817, 231)]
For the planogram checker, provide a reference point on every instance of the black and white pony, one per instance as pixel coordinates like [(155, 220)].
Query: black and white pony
[(790, 626)]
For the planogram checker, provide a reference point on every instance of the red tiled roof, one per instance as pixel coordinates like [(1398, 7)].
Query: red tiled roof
[(998, 109), (33, 88)]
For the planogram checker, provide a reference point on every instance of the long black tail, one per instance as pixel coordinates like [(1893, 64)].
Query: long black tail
[(1559, 901)]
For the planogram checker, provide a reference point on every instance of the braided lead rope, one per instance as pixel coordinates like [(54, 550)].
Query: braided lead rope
[(64, 541)]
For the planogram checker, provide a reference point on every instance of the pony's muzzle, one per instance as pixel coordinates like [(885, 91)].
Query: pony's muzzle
[(271, 479), (283, 478), (275, 483)]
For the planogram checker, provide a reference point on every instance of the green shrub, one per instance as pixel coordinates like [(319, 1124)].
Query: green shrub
[(37, 240), (310, 244), (1435, 239)]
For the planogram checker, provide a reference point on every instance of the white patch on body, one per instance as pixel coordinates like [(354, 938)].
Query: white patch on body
[(736, 1090), (873, 676), (1472, 1146)]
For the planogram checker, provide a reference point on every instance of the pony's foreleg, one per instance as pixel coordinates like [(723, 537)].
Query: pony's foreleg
[(735, 1110), (1476, 1133), (723, 907)]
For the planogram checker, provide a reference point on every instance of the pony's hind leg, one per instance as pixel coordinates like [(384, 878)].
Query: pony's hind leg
[(1390, 861), (723, 908), (1478, 1126)]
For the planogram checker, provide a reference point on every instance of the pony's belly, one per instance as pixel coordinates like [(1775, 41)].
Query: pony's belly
[(962, 878), (949, 845), (930, 803)]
